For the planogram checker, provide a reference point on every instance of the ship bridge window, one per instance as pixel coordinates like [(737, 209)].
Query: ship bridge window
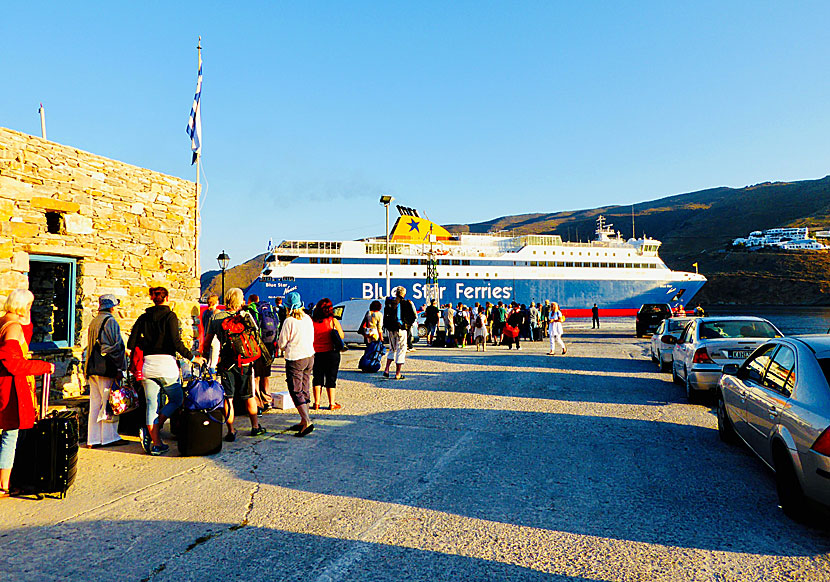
[(595, 265), (629, 266), (603, 265), (336, 260), (286, 278), (569, 264), (325, 260), (652, 265), (560, 263), (444, 262), (534, 264), (313, 260), (465, 263)]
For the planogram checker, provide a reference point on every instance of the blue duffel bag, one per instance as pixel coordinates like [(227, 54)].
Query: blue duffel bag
[(204, 392)]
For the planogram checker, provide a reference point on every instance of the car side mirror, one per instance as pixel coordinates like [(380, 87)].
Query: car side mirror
[(669, 339), (730, 369)]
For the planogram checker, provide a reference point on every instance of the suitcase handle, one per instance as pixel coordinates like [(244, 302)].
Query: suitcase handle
[(44, 398)]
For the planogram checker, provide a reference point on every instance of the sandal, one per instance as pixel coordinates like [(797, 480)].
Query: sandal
[(336, 406), (4, 493), (315, 406)]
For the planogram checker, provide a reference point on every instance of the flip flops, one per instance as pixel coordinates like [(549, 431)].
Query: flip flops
[(335, 406)]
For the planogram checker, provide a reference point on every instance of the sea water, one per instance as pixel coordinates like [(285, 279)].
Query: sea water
[(790, 319)]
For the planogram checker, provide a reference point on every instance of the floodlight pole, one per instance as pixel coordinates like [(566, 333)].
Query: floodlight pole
[(385, 200)]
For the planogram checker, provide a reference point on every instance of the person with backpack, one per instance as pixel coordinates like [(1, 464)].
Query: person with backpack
[(513, 326), (555, 329), (462, 324), (326, 354), (157, 333), (207, 316), (480, 329), (239, 348), (104, 361), (282, 313), (398, 316), (499, 318), (263, 315), (297, 343)]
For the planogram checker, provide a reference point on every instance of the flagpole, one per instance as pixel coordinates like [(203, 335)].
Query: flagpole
[(198, 167)]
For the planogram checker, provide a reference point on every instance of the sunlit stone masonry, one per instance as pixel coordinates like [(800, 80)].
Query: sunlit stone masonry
[(74, 226)]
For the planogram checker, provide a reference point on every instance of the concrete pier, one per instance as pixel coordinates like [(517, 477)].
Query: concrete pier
[(478, 466)]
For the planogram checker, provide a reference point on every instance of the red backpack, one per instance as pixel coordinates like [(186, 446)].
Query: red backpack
[(243, 337)]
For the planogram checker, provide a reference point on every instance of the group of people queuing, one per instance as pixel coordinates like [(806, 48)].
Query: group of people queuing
[(494, 323)]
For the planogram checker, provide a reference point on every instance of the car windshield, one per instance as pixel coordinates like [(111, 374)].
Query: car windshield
[(653, 309), (738, 328), (677, 324)]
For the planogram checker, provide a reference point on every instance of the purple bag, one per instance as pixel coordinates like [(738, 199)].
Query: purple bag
[(204, 392)]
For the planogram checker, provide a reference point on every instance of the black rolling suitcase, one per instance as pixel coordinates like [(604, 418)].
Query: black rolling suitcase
[(46, 459), (200, 431)]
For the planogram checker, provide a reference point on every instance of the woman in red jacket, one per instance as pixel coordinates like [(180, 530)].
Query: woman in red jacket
[(17, 389)]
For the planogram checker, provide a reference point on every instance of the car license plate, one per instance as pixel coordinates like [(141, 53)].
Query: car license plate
[(740, 354)]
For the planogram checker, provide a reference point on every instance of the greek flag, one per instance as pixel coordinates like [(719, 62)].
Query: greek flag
[(194, 124)]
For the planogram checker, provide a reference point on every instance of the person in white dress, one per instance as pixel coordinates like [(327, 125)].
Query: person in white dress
[(480, 329), (555, 329)]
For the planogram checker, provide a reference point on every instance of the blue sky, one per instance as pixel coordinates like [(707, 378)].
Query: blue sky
[(464, 110)]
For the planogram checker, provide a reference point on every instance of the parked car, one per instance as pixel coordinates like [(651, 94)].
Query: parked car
[(649, 317), (661, 352), (708, 343), (778, 403), (351, 313)]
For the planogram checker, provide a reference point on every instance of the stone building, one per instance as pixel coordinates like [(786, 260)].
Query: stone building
[(74, 226)]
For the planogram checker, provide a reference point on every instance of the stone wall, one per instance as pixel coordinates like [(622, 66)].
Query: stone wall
[(129, 228)]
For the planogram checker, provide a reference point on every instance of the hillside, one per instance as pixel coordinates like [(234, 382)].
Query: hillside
[(695, 227)]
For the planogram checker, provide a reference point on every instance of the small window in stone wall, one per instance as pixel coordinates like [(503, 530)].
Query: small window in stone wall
[(52, 280), (54, 223)]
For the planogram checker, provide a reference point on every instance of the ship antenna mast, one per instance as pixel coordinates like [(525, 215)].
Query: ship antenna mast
[(633, 233)]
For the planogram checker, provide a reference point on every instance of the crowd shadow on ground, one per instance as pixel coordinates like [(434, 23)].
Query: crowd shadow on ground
[(201, 550), (651, 482)]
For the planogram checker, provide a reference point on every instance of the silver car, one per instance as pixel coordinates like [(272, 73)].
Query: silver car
[(708, 343), (778, 403), (661, 352)]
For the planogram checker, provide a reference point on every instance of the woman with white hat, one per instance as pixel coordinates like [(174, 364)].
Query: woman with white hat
[(104, 361)]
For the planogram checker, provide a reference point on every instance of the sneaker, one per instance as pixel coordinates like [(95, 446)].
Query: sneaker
[(258, 431), (146, 441), (159, 449), (230, 437)]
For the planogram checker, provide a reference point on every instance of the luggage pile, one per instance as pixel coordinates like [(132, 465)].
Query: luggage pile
[(201, 417), (47, 454)]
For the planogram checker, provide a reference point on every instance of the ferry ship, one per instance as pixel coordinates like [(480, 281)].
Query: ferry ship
[(430, 262)]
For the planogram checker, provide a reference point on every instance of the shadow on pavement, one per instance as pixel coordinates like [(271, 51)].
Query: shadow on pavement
[(642, 481), (186, 550)]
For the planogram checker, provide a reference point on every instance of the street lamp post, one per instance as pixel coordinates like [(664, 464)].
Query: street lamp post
[(385, 200), (223, 260)]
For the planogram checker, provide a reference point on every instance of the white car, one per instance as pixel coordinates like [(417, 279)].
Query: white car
[(661, 352), (708, 343)]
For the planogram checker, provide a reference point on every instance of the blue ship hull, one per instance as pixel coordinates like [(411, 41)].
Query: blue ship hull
[(623, 296)]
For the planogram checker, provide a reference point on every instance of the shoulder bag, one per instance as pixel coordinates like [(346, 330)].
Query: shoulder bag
[(336, 340)]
